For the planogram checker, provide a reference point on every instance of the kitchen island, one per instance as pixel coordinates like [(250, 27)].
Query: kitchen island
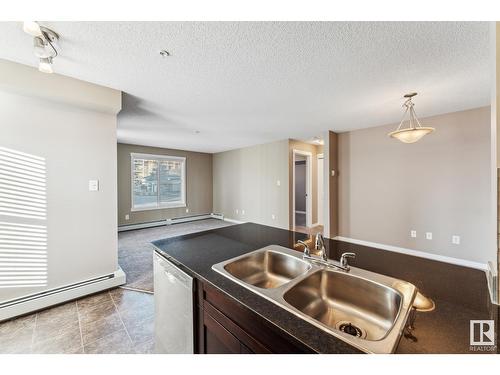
[(232, 319)]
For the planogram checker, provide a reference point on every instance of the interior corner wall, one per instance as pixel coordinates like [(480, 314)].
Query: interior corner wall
[(78, 145), (251, 184), (198, 185), (440, 184)]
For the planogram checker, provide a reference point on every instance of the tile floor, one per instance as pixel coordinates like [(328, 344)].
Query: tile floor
[(115, 321)]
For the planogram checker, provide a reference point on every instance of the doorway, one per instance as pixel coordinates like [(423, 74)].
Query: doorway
[(302, 176)]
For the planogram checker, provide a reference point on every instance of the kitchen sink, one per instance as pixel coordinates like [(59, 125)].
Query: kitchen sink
[(351, 304), (267, 269), (365, 309)]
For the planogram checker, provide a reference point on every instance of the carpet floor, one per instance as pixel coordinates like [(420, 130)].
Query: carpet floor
[(135, 252)]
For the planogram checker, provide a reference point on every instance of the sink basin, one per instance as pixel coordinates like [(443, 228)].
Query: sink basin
[(267, 268), (353, 305), (365, 309)]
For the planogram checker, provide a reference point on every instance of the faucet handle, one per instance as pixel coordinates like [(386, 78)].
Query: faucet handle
[(344, 257), (307, 252)]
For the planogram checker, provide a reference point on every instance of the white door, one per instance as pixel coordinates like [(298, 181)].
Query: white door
[(321, 197)]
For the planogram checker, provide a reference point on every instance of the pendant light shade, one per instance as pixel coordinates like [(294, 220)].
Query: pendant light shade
[(414, 131)]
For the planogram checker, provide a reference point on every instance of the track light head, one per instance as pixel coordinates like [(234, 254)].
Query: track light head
[(32, 28), (45, 65)]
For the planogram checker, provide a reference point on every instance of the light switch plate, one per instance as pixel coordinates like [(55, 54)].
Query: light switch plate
[(127, 217), (428, 235), (278, 183), (93, 185), (413, 234)]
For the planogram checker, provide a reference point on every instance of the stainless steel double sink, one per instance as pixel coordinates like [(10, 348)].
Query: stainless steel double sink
[(365, 309)]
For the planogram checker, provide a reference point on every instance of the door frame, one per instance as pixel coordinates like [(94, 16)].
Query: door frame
[(308, 156), (320, 220)]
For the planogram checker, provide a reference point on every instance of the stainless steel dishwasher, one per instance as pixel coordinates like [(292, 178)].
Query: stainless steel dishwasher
[(174, 332)]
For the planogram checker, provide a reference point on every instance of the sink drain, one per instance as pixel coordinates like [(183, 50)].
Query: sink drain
[(351, 329)]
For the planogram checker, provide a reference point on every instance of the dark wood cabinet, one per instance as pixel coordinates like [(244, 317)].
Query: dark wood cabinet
[(218, 340), (224, 326)]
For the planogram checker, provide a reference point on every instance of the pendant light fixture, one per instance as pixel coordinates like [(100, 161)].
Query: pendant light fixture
[(414, 131)]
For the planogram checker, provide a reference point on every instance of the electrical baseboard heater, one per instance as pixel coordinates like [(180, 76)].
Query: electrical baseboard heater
[(175, 220), (37, 301)]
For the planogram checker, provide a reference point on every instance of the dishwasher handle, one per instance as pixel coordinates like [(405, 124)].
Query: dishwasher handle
[(173, 273)]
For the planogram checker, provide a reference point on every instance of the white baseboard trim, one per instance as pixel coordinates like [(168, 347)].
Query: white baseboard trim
[(417, 253), (38, 301), (234, 221)]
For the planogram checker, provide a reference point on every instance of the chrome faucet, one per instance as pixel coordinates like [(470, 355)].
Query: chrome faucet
[(343, 260), (319, 245)]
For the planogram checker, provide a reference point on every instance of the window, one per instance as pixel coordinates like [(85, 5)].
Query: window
[(158, 182)]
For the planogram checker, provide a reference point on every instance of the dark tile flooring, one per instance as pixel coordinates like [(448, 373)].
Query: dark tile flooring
[(115, 321)]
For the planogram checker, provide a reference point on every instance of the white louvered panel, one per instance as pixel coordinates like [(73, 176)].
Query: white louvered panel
[(23, 214)]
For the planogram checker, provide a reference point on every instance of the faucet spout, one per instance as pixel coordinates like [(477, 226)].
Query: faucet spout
[(319, 244)]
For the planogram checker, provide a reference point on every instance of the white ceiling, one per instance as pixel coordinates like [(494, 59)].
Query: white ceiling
[(245, 83)]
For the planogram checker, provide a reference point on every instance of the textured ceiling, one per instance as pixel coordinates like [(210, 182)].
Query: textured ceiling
[(244, 83)]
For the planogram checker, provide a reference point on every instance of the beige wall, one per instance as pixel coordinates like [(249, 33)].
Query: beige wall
[(314, 150), (198, 185), (247, 180), (440, 184), (76, 135)]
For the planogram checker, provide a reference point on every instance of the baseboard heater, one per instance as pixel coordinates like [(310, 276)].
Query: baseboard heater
[(55, 296), (175, 220)]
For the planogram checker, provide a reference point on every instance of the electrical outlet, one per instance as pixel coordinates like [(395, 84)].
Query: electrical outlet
[(273, 216), (428, 235), (413, 234), (243, 212), (237, 211), (278, 183), (455, 240), (187, 210), (127, 217)]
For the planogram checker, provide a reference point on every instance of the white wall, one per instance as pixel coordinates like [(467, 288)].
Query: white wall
[(440, 184), (247, 180), (72, 124)]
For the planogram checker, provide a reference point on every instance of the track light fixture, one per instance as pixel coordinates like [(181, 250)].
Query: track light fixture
[(43, 44)]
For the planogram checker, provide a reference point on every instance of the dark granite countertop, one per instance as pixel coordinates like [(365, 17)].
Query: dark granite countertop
[(460, 293)]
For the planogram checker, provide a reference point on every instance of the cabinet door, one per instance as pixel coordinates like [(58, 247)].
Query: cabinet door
[(219, 340)]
